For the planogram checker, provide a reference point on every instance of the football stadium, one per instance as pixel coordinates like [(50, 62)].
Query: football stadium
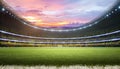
[(59, 34)]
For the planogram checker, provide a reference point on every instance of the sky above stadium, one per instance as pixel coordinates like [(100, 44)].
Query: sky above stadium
[(60, 13)]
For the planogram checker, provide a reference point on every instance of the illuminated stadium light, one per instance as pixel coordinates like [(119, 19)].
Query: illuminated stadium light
[(85, 27), (3, 9), (112, 11), (107, 15), (35, 27), (24, 22), (61, 30), (90, 25), (7, 12), (118, 7), (96, 22)]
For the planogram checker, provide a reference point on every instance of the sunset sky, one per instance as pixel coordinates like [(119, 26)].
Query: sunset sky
[(60, 13)]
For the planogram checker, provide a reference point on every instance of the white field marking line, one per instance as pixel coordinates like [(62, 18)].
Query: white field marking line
[(60, 67)]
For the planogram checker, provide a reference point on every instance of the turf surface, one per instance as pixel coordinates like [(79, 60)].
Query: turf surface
[(60, 56)]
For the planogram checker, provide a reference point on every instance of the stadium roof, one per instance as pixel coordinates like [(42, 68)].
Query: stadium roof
[(109, 22), (55, 15)]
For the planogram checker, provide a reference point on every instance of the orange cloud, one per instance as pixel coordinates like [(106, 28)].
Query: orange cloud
[(56, 24)]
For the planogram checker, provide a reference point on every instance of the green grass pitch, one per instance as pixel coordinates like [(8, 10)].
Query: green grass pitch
[(60, 56)]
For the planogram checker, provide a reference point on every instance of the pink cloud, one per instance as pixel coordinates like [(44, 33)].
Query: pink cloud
[(59, 12)]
